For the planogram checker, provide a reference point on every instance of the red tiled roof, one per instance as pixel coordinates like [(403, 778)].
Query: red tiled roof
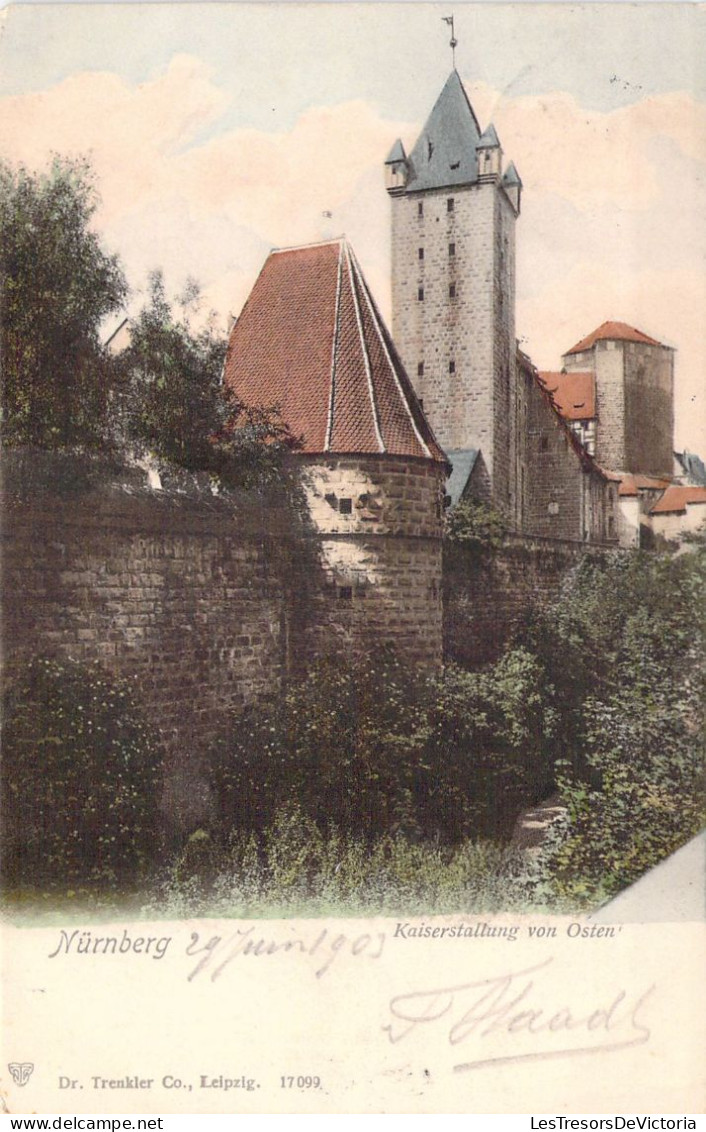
[(311, 341), (631, 483), (574, 394), (676, 499), (617, 331)]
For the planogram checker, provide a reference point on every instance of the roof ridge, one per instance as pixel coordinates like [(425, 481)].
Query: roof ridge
[(364, 348), (334, 347), (376, 318), (313, 244)]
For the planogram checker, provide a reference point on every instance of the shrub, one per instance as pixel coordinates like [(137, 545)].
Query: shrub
[(375, 750), (80, 776)]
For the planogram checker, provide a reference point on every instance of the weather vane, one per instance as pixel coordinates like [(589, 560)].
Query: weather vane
[(453, 41)]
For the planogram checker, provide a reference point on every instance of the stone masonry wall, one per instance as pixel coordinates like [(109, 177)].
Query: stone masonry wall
[(488, 596), (649, 408), (183, 598), (606, 361), (378, 530), (457, 340)]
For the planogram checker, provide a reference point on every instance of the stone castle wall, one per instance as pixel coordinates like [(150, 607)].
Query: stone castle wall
[(378, 530), (557, 497)]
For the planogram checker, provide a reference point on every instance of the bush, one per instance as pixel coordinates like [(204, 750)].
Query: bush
[(626, 642), (375, 750), (80, 779)]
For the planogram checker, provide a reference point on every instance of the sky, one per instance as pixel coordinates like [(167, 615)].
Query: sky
[(219, 131)]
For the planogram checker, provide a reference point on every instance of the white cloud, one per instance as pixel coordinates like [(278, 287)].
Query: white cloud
[(612, 224)]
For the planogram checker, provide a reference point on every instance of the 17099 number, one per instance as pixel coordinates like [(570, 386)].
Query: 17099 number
[(300, 1082)]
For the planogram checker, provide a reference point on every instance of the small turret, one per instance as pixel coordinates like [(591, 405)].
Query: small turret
[(489, 153), (396, 168), (513, 186)]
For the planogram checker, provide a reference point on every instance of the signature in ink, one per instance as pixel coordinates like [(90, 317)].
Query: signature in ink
[(515, 1005)]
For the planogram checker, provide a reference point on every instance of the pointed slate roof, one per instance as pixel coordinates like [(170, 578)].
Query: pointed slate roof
[(311, 340), (511, 176), (489, 139), (612, 331), (445, 151), (397, 153)]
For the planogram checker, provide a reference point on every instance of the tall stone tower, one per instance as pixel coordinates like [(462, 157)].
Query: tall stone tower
[(634, 394), (453, 284)]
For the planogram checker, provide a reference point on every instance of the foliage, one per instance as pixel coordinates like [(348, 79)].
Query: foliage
[(297, 868), (80, 778), (58, 284), (177, 407), (374, 749), (629, 635), (475, 525)]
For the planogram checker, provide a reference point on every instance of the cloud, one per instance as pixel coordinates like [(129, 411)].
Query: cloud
[(612, 223), (592, 158)]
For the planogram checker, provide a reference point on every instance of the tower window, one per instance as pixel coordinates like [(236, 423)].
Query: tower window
[(450, 204), (452, 291), (421, 253), (452, 251), (420, 294), (452, 367), (420, 208), (345, 506), (420, 369), (345, 593)]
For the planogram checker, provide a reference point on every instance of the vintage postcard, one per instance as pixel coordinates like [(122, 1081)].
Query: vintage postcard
[(353, 549)]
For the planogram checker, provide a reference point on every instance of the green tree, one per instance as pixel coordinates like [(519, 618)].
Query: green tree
[(58, 285), (176, 406)]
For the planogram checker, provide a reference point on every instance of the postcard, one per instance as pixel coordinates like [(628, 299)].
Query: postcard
[(354, 502)]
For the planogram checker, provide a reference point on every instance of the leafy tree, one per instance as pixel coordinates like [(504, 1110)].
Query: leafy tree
[(628, 635), (177, 408), (58, 285)]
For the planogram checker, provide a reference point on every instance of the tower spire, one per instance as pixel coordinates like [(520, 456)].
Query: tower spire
[(453, 42)]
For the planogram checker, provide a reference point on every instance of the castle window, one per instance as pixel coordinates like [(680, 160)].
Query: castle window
[(345, 506), (420, 208), (452, 291), (452, 251), (450, 204), (420, 294), (420, 369), (452, 367), (421, 253), (345, 593), (544, 444)]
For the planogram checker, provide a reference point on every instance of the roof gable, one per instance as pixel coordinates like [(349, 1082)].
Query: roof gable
[(445, 151), (311, 341)]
